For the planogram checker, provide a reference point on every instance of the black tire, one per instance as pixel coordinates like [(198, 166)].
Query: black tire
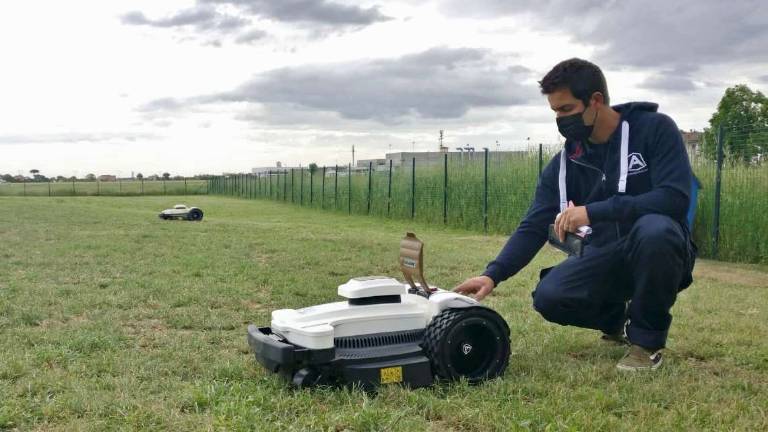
[(307, 377), (195, 215), (471, 343)]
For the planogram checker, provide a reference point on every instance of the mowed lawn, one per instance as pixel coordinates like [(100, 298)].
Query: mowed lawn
[(111, 319)]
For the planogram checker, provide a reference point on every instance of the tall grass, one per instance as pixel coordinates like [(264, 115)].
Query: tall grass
[(511, 184)]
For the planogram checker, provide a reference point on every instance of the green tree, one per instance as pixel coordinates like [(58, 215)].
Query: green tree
[(312, 168), (743, 114), (166, 176), (139, 176), (90, 177)]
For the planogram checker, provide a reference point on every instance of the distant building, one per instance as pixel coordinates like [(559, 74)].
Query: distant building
[(693, 141), (376, 164), (107, 178), (274, 169), (433, 158)]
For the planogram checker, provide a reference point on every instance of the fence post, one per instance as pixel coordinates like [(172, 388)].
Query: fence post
[(389, 188), (49, 188), (445, 189), (164, 191), (718, 182), (311, 187), (73, 187), (142, 186), (413, 187), (119, 187), (336, 187), (285, 185), (370, 168), (541, 158), (185, 185), (349, 195), (322, 191), (301, 186), (292, 183), (485, 191)]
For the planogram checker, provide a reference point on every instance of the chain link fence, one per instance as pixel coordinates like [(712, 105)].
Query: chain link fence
[(491, 191), (731, 164)]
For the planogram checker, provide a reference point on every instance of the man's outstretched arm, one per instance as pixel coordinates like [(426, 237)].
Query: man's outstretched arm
[(526, 241)]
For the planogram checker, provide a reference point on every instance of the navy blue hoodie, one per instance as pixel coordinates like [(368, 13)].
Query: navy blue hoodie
[(658, 181)]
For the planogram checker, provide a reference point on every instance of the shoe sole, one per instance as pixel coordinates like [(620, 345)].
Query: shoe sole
[(624, 368)]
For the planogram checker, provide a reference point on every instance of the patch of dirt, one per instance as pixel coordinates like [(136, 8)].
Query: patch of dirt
[(136, 327), (730, 274), (252, 305), (75, 319)]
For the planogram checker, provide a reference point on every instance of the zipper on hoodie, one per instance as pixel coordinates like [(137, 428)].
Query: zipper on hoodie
[(602, 173)]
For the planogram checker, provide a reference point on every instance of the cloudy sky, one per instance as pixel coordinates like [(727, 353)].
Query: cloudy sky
[(206, 86)]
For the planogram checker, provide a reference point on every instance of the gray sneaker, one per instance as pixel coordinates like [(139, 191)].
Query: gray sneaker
[(639, 359)]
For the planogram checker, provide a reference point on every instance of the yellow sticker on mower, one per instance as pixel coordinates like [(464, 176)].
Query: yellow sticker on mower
[(391, 375)]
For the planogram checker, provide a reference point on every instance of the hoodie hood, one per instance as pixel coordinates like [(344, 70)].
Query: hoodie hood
[(630, 108)]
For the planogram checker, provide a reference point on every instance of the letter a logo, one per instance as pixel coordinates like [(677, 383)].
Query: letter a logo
[(636, 164)]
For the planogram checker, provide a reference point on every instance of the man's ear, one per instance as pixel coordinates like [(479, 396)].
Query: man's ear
[(599, 99)]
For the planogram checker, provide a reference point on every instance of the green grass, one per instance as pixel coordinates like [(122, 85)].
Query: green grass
[(111, 319), (116, 188)]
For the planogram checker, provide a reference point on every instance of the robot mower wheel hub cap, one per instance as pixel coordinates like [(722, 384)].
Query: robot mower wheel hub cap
[(474, 349)]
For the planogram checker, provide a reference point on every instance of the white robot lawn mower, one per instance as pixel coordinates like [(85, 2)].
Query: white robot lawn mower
[(181, 211), (385, 332)]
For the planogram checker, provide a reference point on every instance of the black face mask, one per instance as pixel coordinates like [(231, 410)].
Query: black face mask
[(572, 127)]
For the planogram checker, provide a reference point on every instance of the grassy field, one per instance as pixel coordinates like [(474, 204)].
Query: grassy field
[(111, 319)]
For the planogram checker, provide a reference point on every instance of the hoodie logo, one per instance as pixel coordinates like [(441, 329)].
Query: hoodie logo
[(636, 164)]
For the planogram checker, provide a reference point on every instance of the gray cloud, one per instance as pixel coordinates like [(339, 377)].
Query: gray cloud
[(251, 36), (320, 17), (441, 83), (763, 78), (669, 82), (199, 17), (308, 11), (203, 19), (74, 137), (652, 33)]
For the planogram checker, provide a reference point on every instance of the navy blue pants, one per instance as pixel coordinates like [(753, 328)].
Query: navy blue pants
[(649, 266)]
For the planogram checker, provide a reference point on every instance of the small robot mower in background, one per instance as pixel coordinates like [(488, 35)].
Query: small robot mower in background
[(385, 332), (181, 211)]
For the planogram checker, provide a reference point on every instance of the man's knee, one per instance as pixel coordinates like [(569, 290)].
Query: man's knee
[(652, 232), (548, 300)]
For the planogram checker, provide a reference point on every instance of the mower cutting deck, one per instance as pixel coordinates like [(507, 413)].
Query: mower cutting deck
[(385, 332)]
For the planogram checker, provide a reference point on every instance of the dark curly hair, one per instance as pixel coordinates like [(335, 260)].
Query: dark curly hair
[(579, 76)]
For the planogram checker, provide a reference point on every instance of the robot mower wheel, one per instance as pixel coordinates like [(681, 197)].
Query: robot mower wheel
[(471, 343), (195, 215), (307, 377)]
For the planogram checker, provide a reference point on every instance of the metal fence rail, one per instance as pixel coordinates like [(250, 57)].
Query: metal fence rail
[(106, 188)]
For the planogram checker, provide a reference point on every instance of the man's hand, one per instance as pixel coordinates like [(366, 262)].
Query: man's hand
[(570, 220), (480, 286)]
